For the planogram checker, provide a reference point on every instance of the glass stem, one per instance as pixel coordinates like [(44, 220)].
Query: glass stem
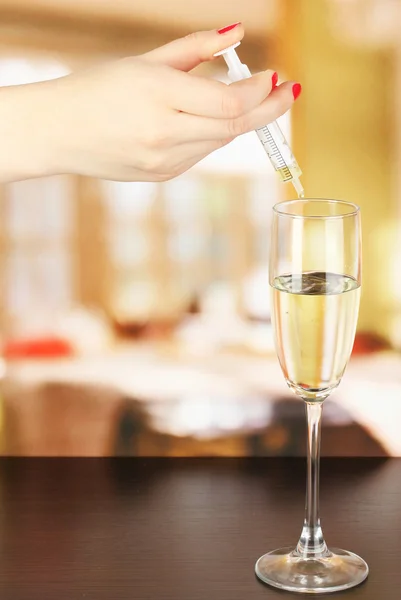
[(311, 543)]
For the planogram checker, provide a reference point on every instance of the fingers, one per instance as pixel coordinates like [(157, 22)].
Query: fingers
[(187, 53), (210, 98), (204, 128)]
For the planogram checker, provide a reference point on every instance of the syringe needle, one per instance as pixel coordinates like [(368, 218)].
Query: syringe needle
[(298, 187)]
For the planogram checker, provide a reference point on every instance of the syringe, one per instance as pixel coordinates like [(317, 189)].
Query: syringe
[(271, 136)]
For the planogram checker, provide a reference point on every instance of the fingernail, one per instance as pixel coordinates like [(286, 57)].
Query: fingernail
[(274, 80), (228, 28), (296, 90)]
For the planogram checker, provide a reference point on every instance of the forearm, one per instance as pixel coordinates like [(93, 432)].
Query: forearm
[(29, 132)]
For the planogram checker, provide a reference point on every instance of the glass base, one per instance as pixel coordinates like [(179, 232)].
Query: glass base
[(288, 570)]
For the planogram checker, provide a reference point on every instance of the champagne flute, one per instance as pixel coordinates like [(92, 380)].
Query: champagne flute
[(315, 278)]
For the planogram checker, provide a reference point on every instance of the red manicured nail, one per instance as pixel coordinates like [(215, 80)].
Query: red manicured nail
[(296, 90), (274, 80), (228, 28)]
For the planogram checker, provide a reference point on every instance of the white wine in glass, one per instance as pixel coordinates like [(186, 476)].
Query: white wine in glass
[(315, 276), (315, 315)]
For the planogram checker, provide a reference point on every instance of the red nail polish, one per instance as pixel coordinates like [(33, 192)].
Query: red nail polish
[(228, 28), (274, 80), (296, 90)]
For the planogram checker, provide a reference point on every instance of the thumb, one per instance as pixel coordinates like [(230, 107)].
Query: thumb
[(188, 52)]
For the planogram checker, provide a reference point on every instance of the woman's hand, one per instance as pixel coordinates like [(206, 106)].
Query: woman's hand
[(148, 118)]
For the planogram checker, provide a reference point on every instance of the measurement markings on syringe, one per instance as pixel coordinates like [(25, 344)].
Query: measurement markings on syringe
[(276, 154)]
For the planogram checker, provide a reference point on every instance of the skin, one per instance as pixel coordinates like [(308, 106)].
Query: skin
[(143, 118)]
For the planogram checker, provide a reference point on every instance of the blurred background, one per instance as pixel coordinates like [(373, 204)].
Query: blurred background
[(135, 318)]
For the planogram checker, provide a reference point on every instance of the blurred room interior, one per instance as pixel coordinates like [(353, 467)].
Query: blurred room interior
[(135, 317)]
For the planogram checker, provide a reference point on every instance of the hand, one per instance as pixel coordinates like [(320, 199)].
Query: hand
[(146, 118)]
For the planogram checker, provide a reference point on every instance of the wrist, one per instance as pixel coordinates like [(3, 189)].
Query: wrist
[(31, 139)]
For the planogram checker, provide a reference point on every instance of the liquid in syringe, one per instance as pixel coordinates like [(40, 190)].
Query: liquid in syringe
[(271, 136)]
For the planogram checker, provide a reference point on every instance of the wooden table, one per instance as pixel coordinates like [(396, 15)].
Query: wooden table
[(190, 529)]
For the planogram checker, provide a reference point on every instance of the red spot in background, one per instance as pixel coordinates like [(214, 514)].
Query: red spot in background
[(46, 347), (368, 343)]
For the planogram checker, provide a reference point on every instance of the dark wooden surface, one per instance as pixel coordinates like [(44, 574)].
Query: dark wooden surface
[(184, 529)]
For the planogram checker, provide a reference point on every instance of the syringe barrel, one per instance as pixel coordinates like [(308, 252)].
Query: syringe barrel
[(278, 150)]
